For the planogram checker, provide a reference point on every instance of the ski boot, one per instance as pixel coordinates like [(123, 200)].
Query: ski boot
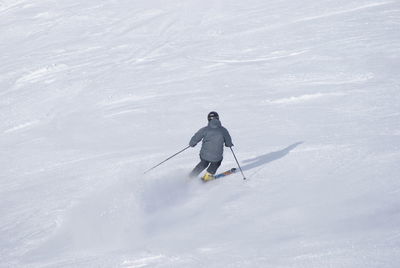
[(208, 177)]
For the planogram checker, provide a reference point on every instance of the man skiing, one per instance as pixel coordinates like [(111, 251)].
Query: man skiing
[(214, 135)]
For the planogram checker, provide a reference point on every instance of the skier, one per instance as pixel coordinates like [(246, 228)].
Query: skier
[(211, 154)]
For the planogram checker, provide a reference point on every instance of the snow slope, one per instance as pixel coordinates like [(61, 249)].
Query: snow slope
[(93, 93)]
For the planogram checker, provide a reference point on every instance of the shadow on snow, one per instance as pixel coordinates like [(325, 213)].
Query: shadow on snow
[(269, 157)]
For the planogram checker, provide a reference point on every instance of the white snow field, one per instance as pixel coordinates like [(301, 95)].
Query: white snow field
[(95, 92)]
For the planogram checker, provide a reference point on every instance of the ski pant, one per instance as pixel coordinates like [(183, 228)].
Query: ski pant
[(203, 164)]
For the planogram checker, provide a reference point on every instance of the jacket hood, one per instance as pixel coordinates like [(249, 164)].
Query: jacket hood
[(214, 123)]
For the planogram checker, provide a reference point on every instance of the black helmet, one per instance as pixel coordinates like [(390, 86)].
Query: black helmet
[(212, 115)]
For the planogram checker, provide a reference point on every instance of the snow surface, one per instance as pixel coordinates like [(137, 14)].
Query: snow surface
[(93, 93)]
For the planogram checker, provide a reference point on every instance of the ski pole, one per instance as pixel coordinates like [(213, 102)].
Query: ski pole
[(238, 163), (166, 160)]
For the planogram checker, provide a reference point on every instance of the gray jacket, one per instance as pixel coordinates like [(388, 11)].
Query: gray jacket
[(214, 136)]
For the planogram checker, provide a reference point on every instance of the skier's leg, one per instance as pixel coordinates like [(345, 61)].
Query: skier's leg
[(213, 167), (211, 170), (202, 165)]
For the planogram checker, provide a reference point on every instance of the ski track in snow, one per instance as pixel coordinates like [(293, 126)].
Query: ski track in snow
[(45, 73), (22, 126), (305, 98), (274, 27), (9, 5), (251, 61), (143, 262), (341, 12)]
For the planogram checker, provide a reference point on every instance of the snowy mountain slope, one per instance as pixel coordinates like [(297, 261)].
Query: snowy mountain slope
[(92, 93)]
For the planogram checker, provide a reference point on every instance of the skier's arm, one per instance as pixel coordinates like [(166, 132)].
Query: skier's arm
[(227, 138), (196, 138)]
